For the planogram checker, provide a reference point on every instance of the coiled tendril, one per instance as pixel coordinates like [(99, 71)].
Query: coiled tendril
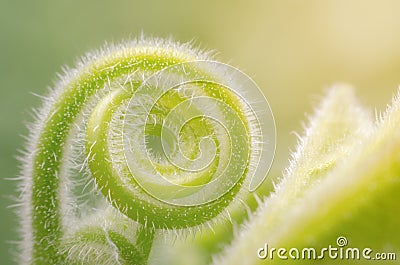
[(171, 139)]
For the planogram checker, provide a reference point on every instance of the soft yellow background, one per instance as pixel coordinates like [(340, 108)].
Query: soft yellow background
[(294, 50)]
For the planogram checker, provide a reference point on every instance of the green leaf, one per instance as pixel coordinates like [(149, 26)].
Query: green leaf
[(343, 180)]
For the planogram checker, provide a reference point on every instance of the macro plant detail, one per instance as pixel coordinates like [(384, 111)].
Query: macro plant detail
[(343, 181), (152, 141), (138, 140)]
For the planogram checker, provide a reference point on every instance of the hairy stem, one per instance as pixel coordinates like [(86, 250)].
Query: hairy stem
[(168, 140), (46, 224)]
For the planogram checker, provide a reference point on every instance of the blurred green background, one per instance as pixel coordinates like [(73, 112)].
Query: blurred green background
[(294, 50)]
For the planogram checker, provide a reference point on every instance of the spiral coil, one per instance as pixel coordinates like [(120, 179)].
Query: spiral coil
[(172, 140), (186, 145)]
